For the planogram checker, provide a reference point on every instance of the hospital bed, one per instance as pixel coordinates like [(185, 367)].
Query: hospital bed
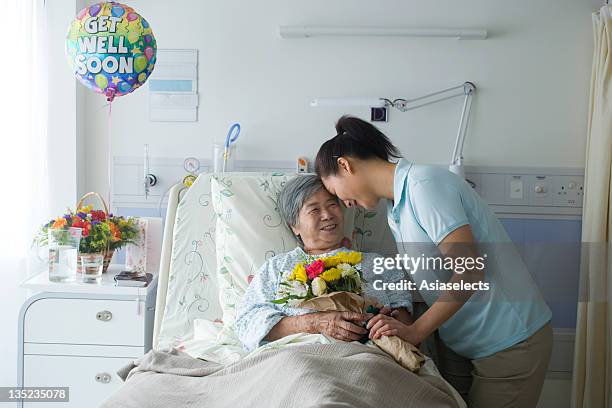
[(196, 293)]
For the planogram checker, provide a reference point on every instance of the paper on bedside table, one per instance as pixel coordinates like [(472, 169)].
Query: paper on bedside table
[(144, 256)]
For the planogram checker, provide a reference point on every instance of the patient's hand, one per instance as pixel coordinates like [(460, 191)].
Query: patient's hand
[(339, 325)]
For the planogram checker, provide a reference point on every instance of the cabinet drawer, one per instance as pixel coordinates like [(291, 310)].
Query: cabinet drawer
[(91, 380), (84, 321)]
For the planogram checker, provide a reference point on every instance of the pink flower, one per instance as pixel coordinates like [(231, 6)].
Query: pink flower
[(315, 269)]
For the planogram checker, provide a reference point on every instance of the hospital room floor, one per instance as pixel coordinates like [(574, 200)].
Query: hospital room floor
[(555, 394)]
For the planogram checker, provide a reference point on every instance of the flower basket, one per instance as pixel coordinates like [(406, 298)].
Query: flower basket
[(101, 233), (108, 255), (106, 252)]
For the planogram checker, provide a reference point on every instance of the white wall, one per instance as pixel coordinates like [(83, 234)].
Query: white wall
[(532, 73)]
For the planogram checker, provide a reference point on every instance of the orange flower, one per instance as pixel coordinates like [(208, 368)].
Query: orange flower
[(115, 231), (59, 223)]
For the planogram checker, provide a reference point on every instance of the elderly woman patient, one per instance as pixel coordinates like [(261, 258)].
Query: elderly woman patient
[(315, 217)]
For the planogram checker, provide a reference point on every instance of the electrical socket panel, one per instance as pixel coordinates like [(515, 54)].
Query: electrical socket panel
[(568, 191), (529, 190)]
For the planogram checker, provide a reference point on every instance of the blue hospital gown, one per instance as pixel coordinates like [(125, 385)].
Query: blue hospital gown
[(257, 315)]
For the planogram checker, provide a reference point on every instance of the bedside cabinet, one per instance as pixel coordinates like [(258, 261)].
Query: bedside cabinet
[(78, 335)]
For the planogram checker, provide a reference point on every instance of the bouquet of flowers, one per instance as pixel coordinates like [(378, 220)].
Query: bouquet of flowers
[(95, 231), (316, 277), (99, 231), (335, 283)]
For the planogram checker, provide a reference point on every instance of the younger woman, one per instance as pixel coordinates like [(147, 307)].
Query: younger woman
[(504, 331)]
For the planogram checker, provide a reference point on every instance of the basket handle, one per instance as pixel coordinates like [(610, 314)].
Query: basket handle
[(93, 194)]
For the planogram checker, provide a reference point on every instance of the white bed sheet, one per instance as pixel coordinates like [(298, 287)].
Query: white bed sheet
[(214, 342)]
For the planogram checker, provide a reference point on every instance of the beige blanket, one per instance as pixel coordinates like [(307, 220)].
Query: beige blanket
[(407, 355), (313, 375)]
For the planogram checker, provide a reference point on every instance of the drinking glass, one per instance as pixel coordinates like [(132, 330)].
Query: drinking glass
[(63, 250)]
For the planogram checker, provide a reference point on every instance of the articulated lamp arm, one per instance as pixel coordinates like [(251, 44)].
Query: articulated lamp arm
[(466, 90)]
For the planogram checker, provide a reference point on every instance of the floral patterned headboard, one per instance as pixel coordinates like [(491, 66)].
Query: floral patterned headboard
[(192, 279), (371, 233)]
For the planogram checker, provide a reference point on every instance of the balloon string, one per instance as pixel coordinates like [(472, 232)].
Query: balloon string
[(110, 155)]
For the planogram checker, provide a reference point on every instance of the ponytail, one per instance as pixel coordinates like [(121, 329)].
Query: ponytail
[(356, 138)]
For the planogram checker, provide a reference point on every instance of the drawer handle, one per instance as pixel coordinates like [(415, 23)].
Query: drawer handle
[(104, 316), (103, 378)]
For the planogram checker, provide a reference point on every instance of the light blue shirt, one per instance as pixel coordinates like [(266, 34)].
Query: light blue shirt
[(257, 315), (429, 203)]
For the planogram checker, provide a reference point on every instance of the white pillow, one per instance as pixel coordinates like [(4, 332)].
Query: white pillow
[(250, 230)]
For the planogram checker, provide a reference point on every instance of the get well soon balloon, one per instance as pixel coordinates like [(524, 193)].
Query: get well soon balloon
[(111, 48)]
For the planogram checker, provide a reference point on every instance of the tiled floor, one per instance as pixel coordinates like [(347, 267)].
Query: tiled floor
[(556, 394)]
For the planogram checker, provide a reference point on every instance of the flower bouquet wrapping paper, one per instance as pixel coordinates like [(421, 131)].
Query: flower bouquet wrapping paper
[(406, 354)]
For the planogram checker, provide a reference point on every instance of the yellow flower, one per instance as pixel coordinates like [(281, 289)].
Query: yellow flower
[(86, 209), (331, 261), (299, 273), (354, 258), (331, 275)]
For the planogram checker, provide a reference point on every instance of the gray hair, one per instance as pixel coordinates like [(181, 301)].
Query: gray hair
[(294, 194)]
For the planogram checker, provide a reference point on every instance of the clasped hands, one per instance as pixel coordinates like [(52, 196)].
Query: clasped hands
[(346, 326)]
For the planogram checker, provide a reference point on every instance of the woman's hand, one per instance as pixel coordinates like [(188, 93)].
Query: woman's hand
[(399, 313), (339, 325), (383, 325)]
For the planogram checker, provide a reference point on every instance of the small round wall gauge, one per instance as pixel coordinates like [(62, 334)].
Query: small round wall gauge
[(191, 164)]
